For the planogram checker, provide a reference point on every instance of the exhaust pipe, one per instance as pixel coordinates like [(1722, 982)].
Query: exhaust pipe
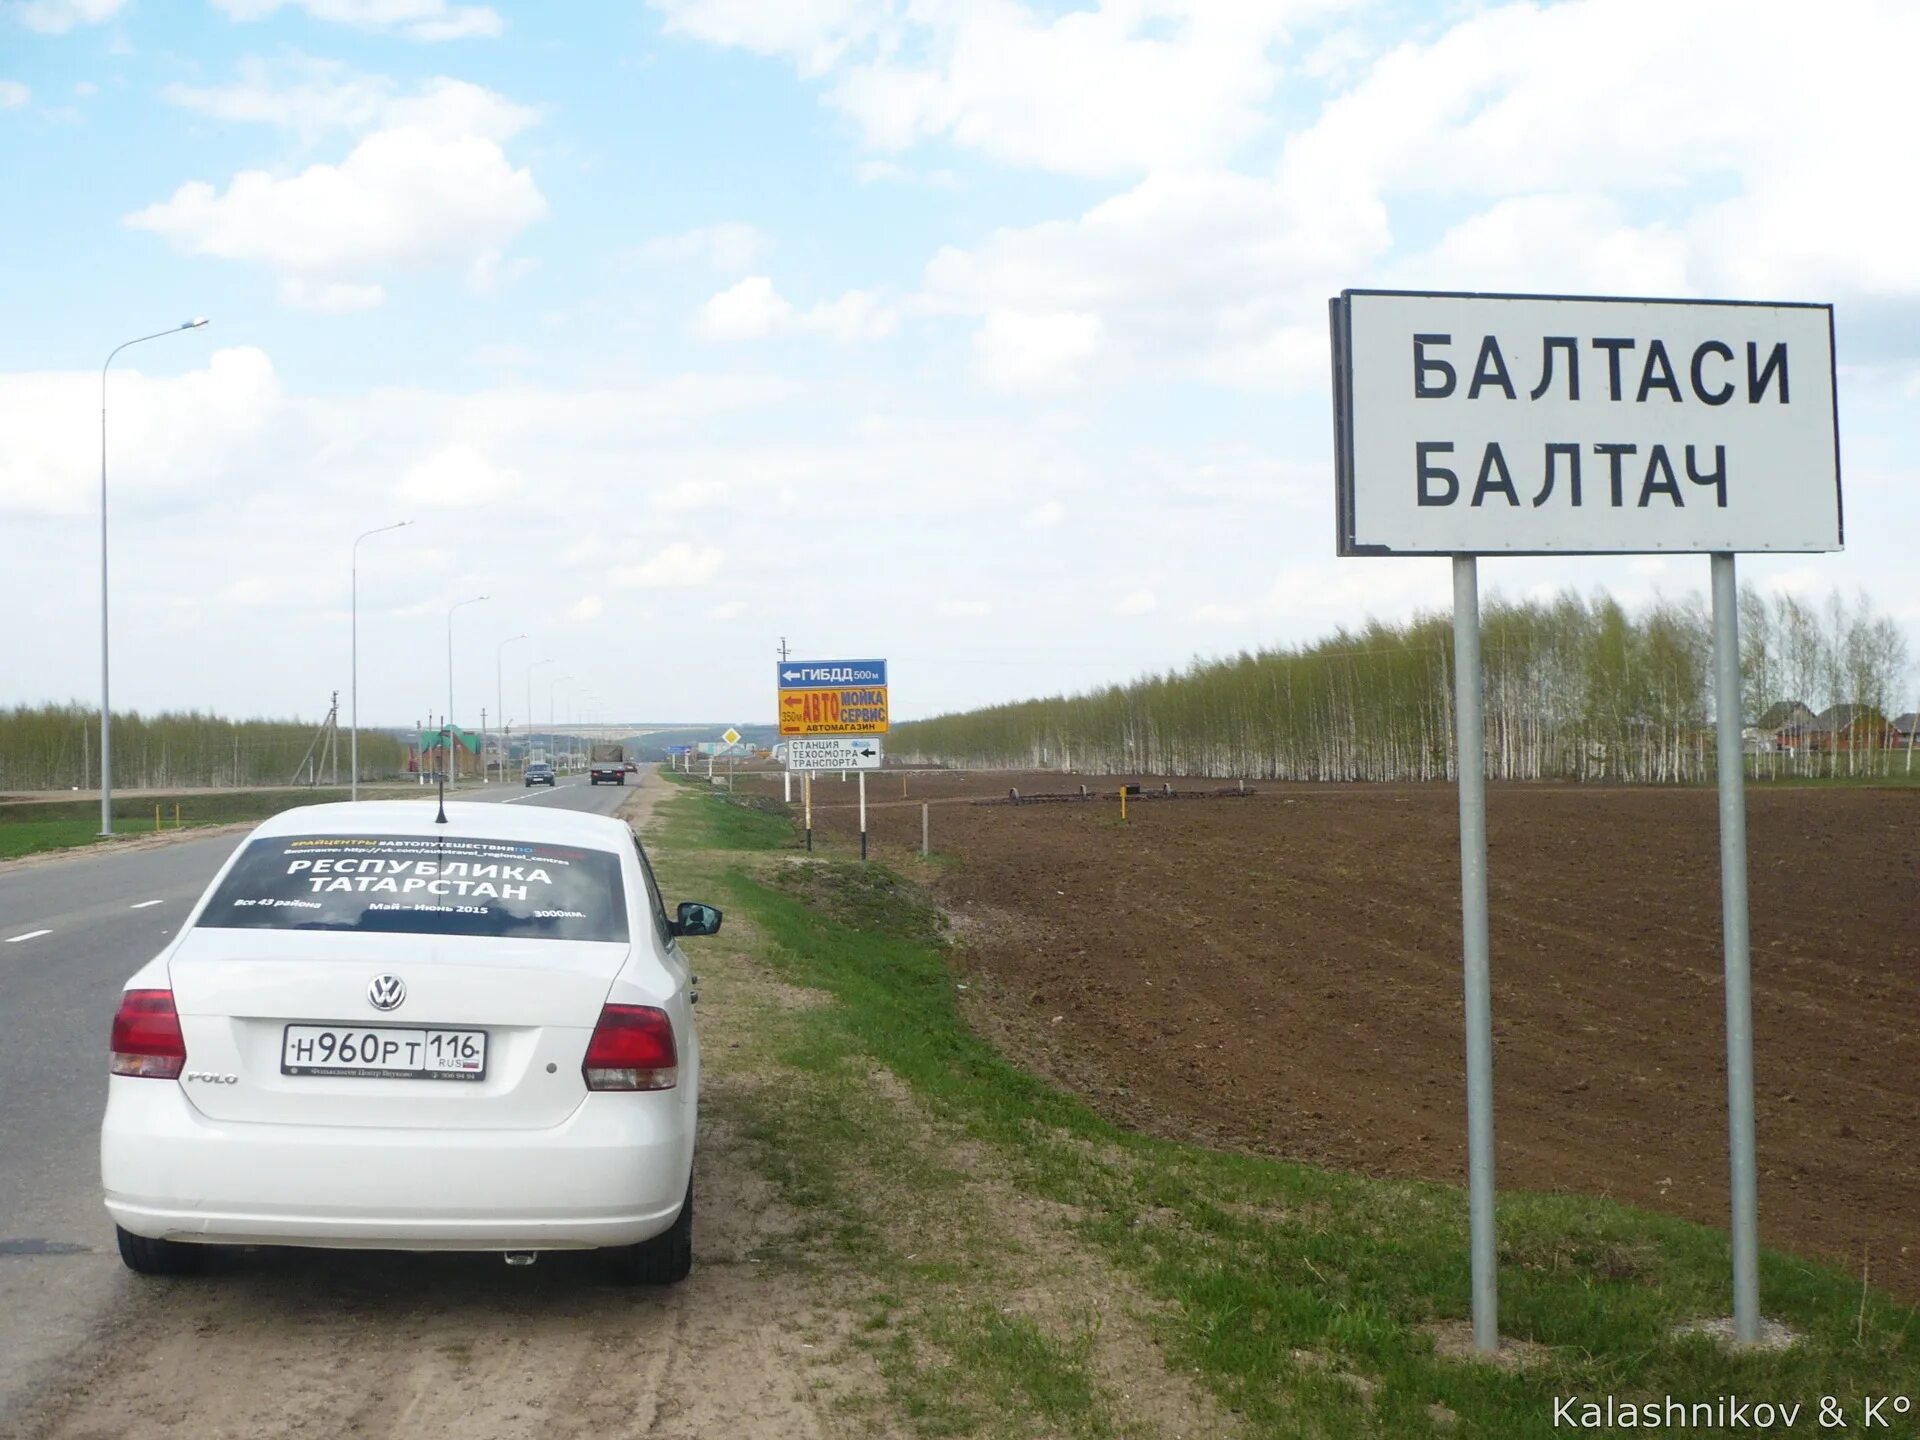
[(522, 1257)]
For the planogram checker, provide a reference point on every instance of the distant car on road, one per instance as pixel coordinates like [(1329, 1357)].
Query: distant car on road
[(379, 1032), (539, 773), (632, 767)]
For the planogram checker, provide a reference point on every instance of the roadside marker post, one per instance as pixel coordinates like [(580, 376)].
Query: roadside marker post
[(1760, 474), (1123, 802), (863, 814), (924, 829), (806, 789)]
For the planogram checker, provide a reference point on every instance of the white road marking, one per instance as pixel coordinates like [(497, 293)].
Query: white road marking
[(30, 935), (145, 903)]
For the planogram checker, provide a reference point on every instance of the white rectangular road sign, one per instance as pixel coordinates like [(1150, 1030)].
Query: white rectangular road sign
[(1530, 424), (833, 752)]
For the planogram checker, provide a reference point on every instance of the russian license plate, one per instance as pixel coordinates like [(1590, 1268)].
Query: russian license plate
[(383, 1052)]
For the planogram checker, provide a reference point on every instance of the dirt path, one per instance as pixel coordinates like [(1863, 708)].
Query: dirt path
[(292, 1343)]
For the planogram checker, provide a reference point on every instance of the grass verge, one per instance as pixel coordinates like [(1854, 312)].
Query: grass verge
[(992, 1220), (27, 827)]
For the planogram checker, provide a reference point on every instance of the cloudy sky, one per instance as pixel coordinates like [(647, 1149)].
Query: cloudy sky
[(985, 335)]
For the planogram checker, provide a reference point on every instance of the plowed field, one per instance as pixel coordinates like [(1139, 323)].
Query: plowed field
[(1283, 973)]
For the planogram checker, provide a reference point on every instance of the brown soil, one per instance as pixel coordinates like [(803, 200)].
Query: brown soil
[(1283, 973)]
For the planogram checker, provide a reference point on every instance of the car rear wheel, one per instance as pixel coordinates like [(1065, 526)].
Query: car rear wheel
[(664, 1260), (158, 1257)]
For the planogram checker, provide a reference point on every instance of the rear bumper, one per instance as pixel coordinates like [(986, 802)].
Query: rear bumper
[(612, 1174)]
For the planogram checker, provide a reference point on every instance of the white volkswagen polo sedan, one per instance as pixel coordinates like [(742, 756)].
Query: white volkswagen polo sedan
[(378, 1031)]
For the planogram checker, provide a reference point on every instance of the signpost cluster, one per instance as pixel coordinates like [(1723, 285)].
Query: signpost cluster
[(1467, 425), (831, 712)]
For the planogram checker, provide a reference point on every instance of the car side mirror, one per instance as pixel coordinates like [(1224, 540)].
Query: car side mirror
[(696, 919)]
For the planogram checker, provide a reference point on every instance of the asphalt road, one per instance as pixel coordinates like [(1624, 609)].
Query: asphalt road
[(71, 931)]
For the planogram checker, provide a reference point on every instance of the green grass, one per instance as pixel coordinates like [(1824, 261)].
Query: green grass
[(1300, 1298), (27, 827), (27, 837), (1898, 778)]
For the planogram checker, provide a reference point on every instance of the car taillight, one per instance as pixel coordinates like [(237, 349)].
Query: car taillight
[(632, 1049), (146, 1036)]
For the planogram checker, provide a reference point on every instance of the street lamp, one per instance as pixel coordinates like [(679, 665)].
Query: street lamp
[(499, 696), (453, 765), (106, 706), (529, 716), (553, 683), (353, 791)]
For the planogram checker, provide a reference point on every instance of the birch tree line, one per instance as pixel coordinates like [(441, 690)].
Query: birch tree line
[(1575, 689), (57, 747)]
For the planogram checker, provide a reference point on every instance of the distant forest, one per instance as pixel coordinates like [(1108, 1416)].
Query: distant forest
[(1576, 689)]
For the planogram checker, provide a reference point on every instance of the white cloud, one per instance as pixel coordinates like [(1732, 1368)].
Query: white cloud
[(413, 19), (1221, 614), (503, 354), (330, 297), (430, 189), (1022, 349), (1124, 87), (458, 477), (754, 310), (678, 566), (587, 607), (312, 97), (56, 17), (164, 435), (812, 33), (1044, 516), (750, 310), (728, 246), (13, 94), (691, 495), (85, 89), (1136, 602), (1566, 154), (732, 610), (963, 609)]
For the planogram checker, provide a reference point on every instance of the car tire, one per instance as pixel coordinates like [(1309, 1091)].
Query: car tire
[(158, 1257), (666, 1259)]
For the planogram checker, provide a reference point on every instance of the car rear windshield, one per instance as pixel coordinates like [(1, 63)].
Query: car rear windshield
[(422, 885)]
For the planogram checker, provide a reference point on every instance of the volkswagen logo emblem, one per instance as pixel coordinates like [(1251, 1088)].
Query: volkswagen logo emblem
[(386, 992)]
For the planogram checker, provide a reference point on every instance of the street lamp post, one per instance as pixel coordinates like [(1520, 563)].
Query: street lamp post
[(500, 698), (552, 685), (530, 669), (453, 765), (353, 745), (106, 704)]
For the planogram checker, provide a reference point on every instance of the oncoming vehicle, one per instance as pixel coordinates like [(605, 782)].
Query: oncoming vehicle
[(632, 767), (539, 773), (379, 1032)]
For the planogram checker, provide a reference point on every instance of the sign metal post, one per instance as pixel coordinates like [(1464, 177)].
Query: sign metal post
[(1701, 427), (1470, 741), (1733, 930)]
